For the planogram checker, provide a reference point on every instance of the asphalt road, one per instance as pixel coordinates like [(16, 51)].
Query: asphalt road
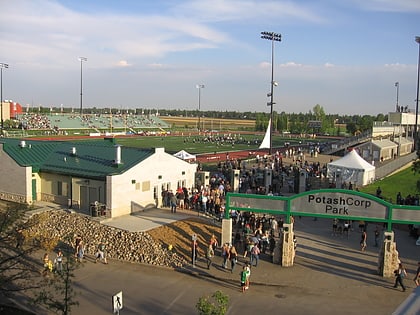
[(330, 275)]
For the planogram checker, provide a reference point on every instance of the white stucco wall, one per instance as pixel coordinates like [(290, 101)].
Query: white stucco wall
[(15, 180), (134, 189)]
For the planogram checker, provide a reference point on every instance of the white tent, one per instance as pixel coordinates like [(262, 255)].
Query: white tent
[(265, 144), (351, 168), (184, 155)]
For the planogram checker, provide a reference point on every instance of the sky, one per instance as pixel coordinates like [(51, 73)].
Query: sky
[(344, 55)]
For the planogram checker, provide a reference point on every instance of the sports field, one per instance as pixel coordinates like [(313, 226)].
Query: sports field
[(208, 123)]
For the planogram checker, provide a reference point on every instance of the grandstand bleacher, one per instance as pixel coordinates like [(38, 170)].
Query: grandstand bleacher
[(92, 122)]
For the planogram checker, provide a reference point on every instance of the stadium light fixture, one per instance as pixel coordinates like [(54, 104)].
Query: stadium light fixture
[(199, 87), (416, 136), (81, 59), (273, 37), (2, 66)]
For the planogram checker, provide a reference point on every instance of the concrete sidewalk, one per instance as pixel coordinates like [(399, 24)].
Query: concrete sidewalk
[(146, 220), (330, 273), (316, 246)]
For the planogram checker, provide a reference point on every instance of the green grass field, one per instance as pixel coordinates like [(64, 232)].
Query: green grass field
[(195, 145), (403, 181)]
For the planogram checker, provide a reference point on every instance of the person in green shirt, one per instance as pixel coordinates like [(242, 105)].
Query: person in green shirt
[(244, 276)]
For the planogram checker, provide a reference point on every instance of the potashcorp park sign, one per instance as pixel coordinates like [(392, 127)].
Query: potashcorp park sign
[(337, 203), (329, 203)]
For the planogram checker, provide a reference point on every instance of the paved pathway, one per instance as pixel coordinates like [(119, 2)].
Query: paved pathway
[(330, 275)]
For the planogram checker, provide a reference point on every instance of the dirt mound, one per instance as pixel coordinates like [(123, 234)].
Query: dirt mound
[(179, 235)]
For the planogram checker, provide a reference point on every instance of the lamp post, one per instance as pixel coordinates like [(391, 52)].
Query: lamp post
[(81, 59), (199, 87), (5, 66), (416, 137), (273, 37), (397, 85)]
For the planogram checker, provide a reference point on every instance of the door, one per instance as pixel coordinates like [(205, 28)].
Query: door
[(33, 189), (84, 198)]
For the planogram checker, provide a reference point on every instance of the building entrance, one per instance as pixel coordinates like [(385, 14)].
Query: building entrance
[(338, 204)]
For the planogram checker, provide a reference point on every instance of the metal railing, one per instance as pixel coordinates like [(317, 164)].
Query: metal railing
[(387, 168), (343, 144)]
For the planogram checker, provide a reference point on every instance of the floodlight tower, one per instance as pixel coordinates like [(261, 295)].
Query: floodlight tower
[(416, 136), (274, 37), (199, 87), (2, 66), (81, 59)]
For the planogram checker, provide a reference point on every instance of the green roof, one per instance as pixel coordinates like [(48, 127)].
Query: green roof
[(93, 159)]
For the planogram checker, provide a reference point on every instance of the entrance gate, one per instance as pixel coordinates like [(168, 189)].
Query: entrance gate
[(325, 203)]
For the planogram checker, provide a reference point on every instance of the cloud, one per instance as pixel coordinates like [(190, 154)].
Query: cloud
[(123, 63), (246, 10), (291, 64), (397, 66), (409, 6), (38, 30), (265, 65)]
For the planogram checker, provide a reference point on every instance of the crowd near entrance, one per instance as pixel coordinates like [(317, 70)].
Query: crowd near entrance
[(267, 221)]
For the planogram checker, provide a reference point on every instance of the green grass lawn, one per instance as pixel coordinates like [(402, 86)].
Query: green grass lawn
[(190, 144), (194, 145), (404, 182)]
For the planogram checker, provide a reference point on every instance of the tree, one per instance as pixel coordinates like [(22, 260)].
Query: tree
[(319, 112), (16, 269), (58, 293), (214, 305), (20, 272)]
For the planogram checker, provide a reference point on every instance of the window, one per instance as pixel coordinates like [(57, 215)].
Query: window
[(62, 188), (145, 186)]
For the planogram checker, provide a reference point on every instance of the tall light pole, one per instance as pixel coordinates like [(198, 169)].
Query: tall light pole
[(199, 87), (2, 66), (416, 136), (397, 85), (273, 37), (81, 59)]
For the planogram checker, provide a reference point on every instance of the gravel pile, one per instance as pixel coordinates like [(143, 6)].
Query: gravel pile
[(122, 245)]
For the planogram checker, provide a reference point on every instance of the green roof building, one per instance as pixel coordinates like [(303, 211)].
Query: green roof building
[(84, 174)]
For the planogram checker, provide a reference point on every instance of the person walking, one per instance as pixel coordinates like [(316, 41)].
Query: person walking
[(255, 255), (248, 275), (77, 242), (334, 227), (173, 201), (400, 274), (194, 251), (58, 261), (209, 255), (80, 251), (213, 242), (363, 241), (101, 254), (19, 238), (225, 254), (417, 276), (244, 276), (376, 232), (48, 266), (233, 256)]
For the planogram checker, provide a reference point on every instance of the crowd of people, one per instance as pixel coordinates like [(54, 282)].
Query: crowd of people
[(32, 121)]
